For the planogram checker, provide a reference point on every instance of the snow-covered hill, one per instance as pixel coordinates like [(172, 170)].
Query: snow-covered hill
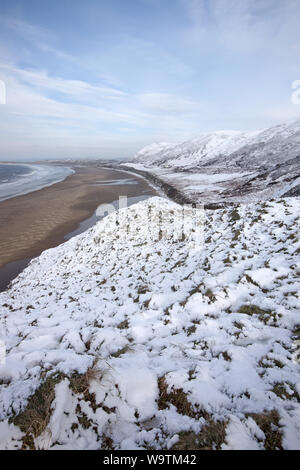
[(256, 165), (193, 153), (232, 149), (128, 337)]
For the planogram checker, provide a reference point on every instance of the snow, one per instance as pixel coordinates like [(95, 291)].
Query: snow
[(240, 436), (218, 178), (189, 153), (263, 147), (229, 165), (129, 301)]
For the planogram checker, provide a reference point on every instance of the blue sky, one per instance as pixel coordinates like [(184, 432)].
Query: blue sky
[(102, 78)]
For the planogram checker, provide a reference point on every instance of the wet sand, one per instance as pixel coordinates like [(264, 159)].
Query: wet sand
[(40, 220)]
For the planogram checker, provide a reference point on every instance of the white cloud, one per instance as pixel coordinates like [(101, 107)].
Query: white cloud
[(42, 80), (167, 103), (28, 31), (137, 90), (242, 26)]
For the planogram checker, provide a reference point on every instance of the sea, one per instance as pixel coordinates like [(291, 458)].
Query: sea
[(17, 179)]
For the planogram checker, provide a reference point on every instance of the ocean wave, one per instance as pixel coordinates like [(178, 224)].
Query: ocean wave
[(39, 177)]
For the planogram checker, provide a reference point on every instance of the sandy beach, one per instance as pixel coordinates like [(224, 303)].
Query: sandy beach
[(31, 223)]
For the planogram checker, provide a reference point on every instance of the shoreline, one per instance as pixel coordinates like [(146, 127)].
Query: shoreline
[(41, 176), (37, 221)]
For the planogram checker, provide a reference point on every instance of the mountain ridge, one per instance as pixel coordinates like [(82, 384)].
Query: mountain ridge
[(229, 166), (220, 144)]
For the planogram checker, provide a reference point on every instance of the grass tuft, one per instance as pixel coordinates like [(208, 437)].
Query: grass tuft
[(34, 418), (268, 422), (211, 437)]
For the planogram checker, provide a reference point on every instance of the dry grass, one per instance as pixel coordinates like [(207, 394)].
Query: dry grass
[(121, 351), (268, 422), (234, 215), (211, 437), (213, 433), (210, 295), (263, 315), (236, 235), (35, 417), (124, 325), (282, 392), (178, 398)]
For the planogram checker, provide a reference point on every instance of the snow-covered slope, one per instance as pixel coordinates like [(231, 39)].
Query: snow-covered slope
[(126, 337), (194, 152), (233, 149), (257, 165)]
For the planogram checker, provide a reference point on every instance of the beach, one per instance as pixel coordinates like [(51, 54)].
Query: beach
[(18, 179), (34, 222)]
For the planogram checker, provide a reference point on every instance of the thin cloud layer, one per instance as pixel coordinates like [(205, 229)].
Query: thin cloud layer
[(105, 80)]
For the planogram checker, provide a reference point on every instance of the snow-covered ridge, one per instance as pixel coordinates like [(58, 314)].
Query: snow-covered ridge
[(257, 165), (194, 152), (218, 148), (142, 343)]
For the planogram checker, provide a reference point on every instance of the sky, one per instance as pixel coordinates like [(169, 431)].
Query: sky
[(103, 78)]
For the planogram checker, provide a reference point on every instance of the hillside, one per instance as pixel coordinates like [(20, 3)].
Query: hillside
[(127, 337), (230, 166)]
